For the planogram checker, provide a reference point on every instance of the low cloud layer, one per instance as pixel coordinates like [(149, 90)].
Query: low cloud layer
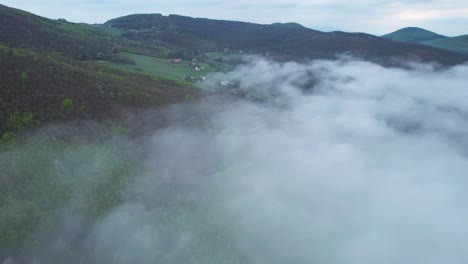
[(342, 162), (369, 167)]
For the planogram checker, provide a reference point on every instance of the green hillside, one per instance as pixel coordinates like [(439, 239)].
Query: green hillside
[(128, 62), (413, 35), (50, 88), (53, 70), (20, 29), (457, 44)]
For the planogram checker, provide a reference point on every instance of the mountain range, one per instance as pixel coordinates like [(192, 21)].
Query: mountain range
[(52, 70), (429, 38), (289, 40)]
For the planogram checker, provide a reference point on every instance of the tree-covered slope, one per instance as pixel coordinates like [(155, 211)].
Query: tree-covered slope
[(51, 88), (43, 76), (27, 31)]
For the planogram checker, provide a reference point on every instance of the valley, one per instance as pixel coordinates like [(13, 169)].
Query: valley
[(156, 138)]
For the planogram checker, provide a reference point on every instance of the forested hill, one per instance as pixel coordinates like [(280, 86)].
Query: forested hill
[(51, 71), (425, 37), (21, 29), (290, 40)]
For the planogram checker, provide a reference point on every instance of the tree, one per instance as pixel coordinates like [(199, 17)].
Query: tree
[(67, 104)]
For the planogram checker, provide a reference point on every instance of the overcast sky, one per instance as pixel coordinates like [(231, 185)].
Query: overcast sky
[(449, 17)]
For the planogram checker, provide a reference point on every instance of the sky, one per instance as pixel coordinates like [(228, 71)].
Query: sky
[(448, 17)]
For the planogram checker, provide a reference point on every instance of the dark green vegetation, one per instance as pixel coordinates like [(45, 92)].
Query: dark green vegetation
[(63, 187), (421, 36), (51, 88), (40, 176), (23, 30), (49, 71)]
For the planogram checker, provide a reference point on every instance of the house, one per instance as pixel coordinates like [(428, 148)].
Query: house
[(225, 83)]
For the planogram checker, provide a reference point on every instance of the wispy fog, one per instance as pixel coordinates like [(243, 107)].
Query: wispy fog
[(336, 162)]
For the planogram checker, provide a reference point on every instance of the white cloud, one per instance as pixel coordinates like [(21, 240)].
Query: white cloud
[(342, 162), (431, 14), (369, 168)]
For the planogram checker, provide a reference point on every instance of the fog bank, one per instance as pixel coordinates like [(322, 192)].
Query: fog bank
[(337, 162)]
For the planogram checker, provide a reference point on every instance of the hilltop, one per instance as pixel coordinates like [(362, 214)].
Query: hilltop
[(425, 37), (413, 35)]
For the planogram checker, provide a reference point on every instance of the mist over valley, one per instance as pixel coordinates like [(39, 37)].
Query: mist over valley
[(170, 139)]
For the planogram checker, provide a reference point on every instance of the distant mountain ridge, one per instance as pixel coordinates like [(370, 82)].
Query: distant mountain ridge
[(457, 44), (413, 35), (289, 41), (425, 37)]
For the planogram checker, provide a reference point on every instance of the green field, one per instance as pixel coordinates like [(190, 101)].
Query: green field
[(210, 62), (167, 68), (221, 61)]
